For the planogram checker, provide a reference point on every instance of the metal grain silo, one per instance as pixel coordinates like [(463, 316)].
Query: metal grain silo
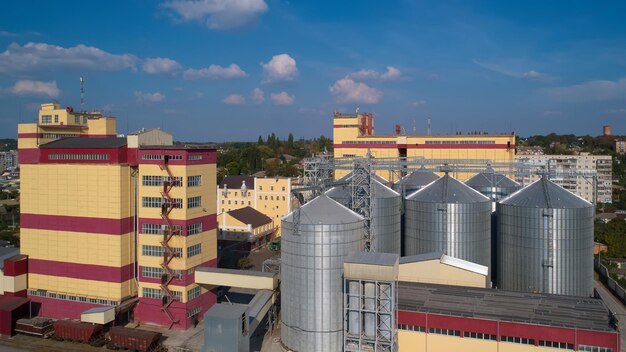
[(545, 241), (386, 226), (448, 216), (313, 252), (415, 181), (493, 185)]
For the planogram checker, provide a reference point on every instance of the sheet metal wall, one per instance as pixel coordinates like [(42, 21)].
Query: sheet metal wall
[(459, 230), (545, 250), (386, 226), (312, 284)]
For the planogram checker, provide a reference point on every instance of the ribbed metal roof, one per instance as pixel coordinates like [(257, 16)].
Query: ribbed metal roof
[(378, 178), (544, 193), (384, 259), (447, 189), (491, 179), (380, 191), (418, 178), (324, 210)]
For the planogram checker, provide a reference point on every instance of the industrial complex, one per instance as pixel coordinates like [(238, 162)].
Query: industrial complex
[(394, 243)]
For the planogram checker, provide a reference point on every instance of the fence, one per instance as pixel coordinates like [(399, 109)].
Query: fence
[(608, 281)]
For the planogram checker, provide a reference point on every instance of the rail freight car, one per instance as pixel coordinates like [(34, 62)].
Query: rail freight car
[(69, 330), (134, 339)]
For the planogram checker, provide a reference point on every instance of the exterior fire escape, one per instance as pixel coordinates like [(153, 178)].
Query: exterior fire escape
[(169, 231)]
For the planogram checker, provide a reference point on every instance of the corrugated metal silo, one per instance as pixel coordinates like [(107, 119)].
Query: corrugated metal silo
[(448, 216), (415, 181), (311, 273), (386, 226), (493, 185), (545, 241)]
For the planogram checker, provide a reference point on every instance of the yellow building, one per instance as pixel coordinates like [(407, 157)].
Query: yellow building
[(268, 195), (353, 135), (245, 225), (79, 218)]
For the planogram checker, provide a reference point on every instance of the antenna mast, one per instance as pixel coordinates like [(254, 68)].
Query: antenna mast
[(82, 93), (428, 127)]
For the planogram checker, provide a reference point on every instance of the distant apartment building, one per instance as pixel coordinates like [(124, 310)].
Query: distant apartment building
[(8, 160), (620, 146), (533, 150), (268, 195), (563, 166)]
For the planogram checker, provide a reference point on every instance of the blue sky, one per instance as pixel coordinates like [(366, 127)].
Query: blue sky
[(219, 70)]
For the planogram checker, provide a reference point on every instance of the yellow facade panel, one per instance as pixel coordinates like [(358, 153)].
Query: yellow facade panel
[(79, 287)]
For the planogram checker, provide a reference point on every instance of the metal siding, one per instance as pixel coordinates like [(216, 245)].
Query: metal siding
[(460, 230), (311, 286), (524, 249), (386, 224)]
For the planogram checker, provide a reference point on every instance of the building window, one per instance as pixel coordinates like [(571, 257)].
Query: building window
[(194, 312), (265, 197), (260, 188), (260, 197), (157, 251), (235, 202), (46, 119), (194, 250), (194, 229), (155, 272), (585, 348), (193, 293), (78, 157), (521, 340), (56, 118), (283, 189), (249, 203), (555, 344), (157, 229), (445, 332), (147, 180), (84, 120), (193, 181), (479, 335), (160, 157), (195, 202), (156, 293), (76, 120), (157, 202), (411, 327), (194, 157)]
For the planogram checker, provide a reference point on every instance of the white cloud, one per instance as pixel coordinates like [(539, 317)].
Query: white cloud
[(506, 71), (149, 98), (257, 96), (418, 103), (348, 91), (160, 65), (215, 72), (282, 98), (281, 67), (218, 14), (7, 34), (532, 74), (234, 99), (617, 111), (28, 87), (552, 113), (599, 90), (391, 74), (41, 56)]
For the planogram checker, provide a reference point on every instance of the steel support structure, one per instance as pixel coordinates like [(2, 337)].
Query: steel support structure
[(361, 186)]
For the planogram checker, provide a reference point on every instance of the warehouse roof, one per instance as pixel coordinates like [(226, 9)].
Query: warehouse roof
[(448, 260), (447, 189), (250, 216), (79, 143), (544, 193), (384, 259), (481, 303), (235, 182)]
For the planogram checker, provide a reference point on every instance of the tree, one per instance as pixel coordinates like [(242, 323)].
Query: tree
[(260, 142), (233, 168), (290, 142)]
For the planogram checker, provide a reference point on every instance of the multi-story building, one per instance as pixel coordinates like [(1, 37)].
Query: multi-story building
[(568, 171), (353, 135), (245, 225), (8, 160), (268, 195), (106, 220), (620, 146)]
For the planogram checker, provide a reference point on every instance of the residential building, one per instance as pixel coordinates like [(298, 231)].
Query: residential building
[(107, 220), (620, 146), (8, 160), (353, 135), (268, 195), (564, 166)]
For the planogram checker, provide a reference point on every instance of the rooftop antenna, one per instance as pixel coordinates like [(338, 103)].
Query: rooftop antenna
[(429, 130), (82, 93)]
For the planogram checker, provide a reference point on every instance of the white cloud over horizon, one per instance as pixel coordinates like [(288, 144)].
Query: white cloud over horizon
[(160, 65), (280, 68), (258, 97), (391, 74), (41, 56), (234, 99), (149, 98), (347, 90), (218, 14), (37, 88), (597, 90), (282, 98), (215, 72)]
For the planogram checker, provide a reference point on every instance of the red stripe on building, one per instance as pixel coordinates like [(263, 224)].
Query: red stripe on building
[(500, 328), (98, 135), (29, 135), (81, 271), (115, 155), (21, 293), (425, 146), (28, 155), (16, 266), (59, 308), (209, 222), (77, 224)]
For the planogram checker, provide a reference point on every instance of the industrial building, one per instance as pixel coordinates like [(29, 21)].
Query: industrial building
[(114, 222), (244, 225), (353, 135), (570, 173), (268, 195)]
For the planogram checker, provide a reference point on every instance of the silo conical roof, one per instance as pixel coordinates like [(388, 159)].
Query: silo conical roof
[(418, 178), (491, 179), (324, 210), (448, 190), (545, 194), (348, 176)]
